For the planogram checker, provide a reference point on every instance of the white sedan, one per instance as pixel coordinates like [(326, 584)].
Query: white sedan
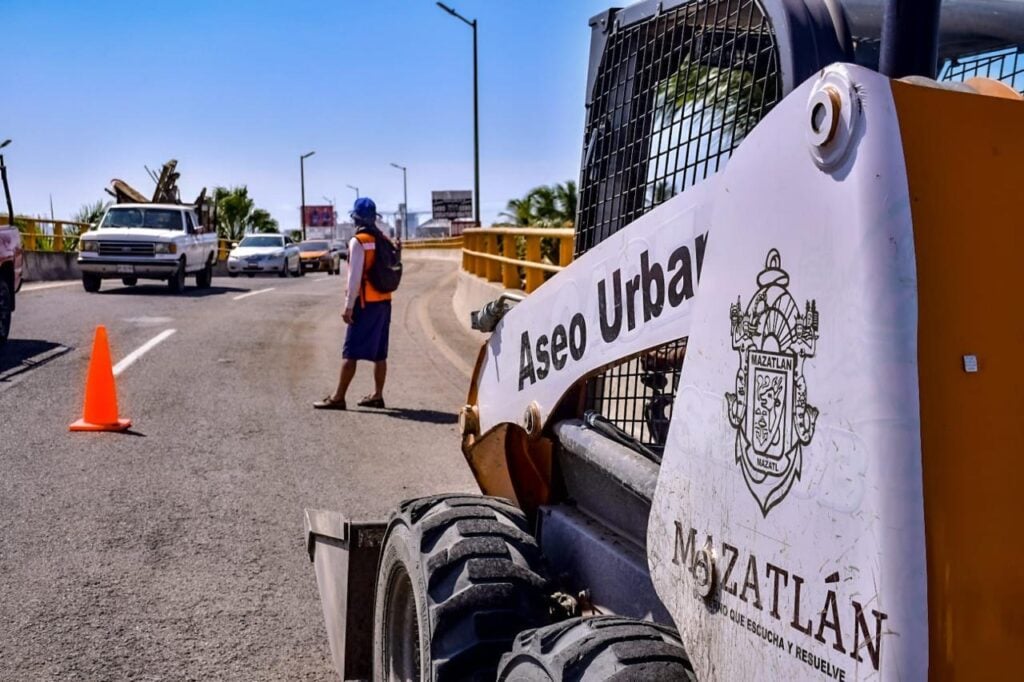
[(258, 253)]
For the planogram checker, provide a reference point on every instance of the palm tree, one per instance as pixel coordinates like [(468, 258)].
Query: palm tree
[(261, 221), (520, 211), (237, 213), (566, 201), (91, 213)]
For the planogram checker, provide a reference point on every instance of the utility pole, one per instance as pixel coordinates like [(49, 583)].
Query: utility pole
[(404, 199), (356, 189), (476, 114), (7, 189), (302, 182)]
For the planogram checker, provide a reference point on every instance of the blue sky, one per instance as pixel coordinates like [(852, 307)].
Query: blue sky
[(237, 90)]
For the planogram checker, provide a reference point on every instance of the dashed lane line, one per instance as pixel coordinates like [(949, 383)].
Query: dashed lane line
[(252, 293), (128, 360)]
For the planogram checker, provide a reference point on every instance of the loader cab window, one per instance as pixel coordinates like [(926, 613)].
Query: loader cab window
[(1005, 65), (674, 94)]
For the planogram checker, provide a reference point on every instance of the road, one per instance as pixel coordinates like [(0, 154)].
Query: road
[(176, 551)]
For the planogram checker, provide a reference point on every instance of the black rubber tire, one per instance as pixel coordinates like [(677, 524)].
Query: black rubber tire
[(597, 649), (91, 282), (176, 282), (6, 308), (204, 278), (232, 275), (129, 281), (250, 274), (467, 575)]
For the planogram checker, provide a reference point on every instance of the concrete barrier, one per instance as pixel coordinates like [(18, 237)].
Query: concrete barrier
[(50, 266), (42, 266)]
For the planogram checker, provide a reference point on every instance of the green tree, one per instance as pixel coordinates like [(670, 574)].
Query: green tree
[(237, 213), (91, 213)]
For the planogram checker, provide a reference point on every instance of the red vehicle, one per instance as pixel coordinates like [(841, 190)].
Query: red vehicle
[(10, 276), (11, 262)]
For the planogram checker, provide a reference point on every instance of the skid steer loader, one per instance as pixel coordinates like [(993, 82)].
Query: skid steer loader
[(768, 424)]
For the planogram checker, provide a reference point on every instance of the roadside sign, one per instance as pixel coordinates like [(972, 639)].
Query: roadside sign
[(320, 216), (452, 204)]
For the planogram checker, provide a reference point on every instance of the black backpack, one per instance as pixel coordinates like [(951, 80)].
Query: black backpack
[(386, 273)]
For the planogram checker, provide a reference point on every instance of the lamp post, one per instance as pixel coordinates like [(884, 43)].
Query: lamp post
[(356, 189), (302, 181), (405, 199), (7, 190), (476, 115)]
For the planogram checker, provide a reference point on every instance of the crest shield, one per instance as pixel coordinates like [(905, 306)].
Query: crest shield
[(769, 410)]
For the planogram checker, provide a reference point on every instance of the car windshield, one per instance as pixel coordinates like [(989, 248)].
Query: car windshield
[(262, 241), (306, 247), (152, 218)]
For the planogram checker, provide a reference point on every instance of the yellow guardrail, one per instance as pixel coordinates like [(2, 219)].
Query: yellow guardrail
[(493, 253), (434, 243), (61, 235)]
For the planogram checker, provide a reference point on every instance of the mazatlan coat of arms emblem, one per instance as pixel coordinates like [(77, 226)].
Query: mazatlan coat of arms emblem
[(769, 409)]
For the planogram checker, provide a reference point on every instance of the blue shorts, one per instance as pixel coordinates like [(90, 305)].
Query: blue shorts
[(367, 337)]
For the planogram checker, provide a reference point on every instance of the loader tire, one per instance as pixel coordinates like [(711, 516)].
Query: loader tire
[(459, 577), (597, 649)]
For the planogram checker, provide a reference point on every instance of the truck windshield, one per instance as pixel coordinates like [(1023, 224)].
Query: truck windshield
[(307, 247), (152, 218), (262, 241)]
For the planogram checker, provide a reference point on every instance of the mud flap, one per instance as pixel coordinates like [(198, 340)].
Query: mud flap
[(344, 554)]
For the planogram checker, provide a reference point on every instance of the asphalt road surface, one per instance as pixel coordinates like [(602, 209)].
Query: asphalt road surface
[(176, 551)]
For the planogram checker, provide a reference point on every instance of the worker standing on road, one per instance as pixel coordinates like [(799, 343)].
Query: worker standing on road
[(367, 312)]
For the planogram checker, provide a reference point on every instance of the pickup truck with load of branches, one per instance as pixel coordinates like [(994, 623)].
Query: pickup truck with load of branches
[(158, 238)]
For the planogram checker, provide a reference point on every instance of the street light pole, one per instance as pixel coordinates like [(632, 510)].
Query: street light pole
[(302, 181), (7, 190), (405, 199), (476, 113), (353, 187)]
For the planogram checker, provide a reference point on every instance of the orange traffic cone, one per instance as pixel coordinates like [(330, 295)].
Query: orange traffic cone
[(100, 413)]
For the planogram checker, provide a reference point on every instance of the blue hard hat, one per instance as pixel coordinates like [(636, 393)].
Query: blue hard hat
[(364, 209)]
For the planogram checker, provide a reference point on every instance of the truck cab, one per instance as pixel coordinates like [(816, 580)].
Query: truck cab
[(148, 241)]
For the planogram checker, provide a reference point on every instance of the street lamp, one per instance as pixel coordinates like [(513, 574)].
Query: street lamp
[(405, 199), (353, 187), (476, 115), (302, 181), (7, 190)]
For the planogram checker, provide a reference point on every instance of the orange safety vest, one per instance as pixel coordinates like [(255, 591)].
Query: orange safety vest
[(367, 292)]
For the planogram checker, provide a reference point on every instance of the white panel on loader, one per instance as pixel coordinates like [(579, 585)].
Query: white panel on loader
[(787, 535), (632, 292)]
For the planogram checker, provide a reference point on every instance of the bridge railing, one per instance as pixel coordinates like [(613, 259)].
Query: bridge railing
[(518, 257), (41, 234)]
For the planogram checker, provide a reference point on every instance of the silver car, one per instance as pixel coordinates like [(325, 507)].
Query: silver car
[(262, 253)]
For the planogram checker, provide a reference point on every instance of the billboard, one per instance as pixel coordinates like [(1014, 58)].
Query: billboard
[(452, 204), (320, 216)]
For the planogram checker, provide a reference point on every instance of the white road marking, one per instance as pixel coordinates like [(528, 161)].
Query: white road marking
[(128, 360), (46, 285), (252, 293)]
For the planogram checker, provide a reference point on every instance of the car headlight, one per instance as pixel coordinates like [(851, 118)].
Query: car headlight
[(277, 254), (90, 245), (165, 247)]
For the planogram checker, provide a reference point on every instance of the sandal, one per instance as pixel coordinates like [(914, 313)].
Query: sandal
[(370, 401), (329, 404)]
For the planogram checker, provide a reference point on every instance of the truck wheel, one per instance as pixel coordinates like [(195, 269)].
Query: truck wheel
[(204, 278), (459, 577), (6, 309), (129, 281), (177, 281), (91, 282), (597, 649)]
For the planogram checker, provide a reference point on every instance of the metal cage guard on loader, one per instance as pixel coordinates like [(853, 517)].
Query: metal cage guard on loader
[(836, 491)]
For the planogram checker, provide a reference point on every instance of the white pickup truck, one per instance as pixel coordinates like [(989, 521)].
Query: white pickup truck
[(148, 241)]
